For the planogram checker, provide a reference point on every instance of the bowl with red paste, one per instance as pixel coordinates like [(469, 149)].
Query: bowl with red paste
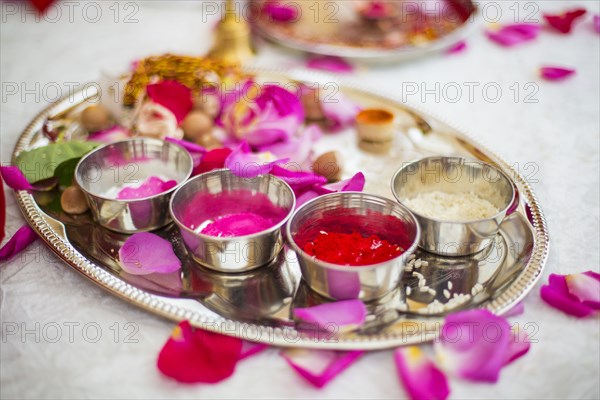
[(353, 245), (128, 184), (232, 224)]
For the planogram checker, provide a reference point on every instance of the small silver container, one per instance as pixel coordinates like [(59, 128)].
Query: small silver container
[(455, 175), (105, 169), (349, 212), (215, 194)]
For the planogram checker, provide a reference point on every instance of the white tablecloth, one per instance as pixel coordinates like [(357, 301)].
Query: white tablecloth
[(63, 337)]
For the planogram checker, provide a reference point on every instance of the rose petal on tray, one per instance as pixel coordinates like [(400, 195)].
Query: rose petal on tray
[(2, 210), (110, 135), (555, 73), (511, 35), (152, 186), (419, 375), (280, 12), (329, 63), (250, 348), (557, 294), (146, 253), (563, 23), (298, 148), (22, 238), (354, 184), (336, 316), (213, 159), (172, 95), (474, 345), (319, 367), (339, 110), (298, 180), (15, 179), (194, 355), (246, 164)]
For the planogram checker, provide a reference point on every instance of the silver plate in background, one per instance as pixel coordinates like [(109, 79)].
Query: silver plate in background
[(257, 305)]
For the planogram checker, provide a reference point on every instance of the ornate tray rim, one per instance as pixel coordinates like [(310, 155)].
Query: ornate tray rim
[(54, 236), (376, 55)]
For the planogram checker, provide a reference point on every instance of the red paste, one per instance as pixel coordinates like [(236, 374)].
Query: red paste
[(351, 248)]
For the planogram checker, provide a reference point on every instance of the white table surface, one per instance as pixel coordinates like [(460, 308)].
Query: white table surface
[(558, 134)]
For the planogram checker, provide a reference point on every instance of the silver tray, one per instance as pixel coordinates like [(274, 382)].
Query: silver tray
[(257, 305), (291, 39)]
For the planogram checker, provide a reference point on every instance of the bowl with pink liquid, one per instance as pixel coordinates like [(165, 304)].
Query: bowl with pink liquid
[(232, 224)]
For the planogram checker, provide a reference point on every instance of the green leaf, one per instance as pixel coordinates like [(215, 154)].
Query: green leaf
[(42, 162), (66, 171)]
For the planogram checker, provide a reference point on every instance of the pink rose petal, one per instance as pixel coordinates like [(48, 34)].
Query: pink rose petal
[(457, 48), (297, 149), (22, 238), (518, 346), (339, 110), (110, 135), (586, 287), (319, 367), (474, 345), (280, 12), (510, 35), (516, 310), (337, 316), (213, 159), (329, 63), (194, 355), (2, 211), (195, 150), (250, 348), (146, 253), (246, 164), (152, 186), (564, 22), (354, 184), (173, 96), (419, 375), (596, 22), (555, 73), (15, 179), (298, 180), (557, 295)]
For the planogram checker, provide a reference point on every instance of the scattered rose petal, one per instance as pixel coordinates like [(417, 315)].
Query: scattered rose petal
[(336, 316), (110, 135), (564, 22), (195, 150), (18, 242), (339, 110), (2, 211), (557, 294), (329, 63), (457, 48), (586, 287), (319, 367), (297, 149), (152, 186), (419, 375), (510, 35), (597, 23), (280, 12), (195, 355), (299, 181), (354, 184), (250, 348), (15, 179), (555, 73), (517, 309), (146, 253), (474, 345), (213, 159), (246, 164), (519, 344), (172, 95)]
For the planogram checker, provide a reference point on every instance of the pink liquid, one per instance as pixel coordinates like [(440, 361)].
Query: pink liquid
[(237, 225)]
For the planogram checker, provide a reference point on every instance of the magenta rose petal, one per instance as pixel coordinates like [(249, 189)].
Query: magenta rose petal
[(354, 184), (474, 345), (596, 22), (22, 238), (250, 348), (557, 295), (298, 148), (172, 95), (563, 23), (110, 135), (330, 64), (244, 163), (297, 179), (555, 73), (516, 310), (337, 316), (152, 186), (419, 375), (280, 12), (15, 179), (586, 287), (146, 253), (195, 355), (519, 345), (511, 35), (457, 48), (319, 367), (339, 110)]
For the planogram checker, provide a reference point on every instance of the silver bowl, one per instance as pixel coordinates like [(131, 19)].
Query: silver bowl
[(130, 162), (353, 212), (455, 175), (215, 194)]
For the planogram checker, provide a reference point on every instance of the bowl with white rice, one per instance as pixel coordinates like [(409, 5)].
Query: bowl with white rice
[(459, 203)]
